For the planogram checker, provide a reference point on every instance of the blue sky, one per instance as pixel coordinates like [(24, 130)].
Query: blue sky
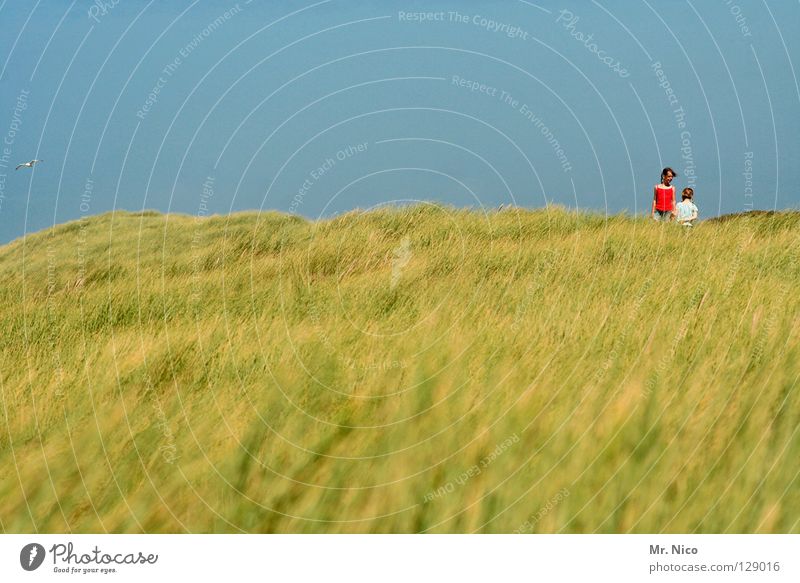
[(318, 107)]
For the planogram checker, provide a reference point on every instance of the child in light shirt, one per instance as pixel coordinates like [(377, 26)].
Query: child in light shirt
[(687, 211)]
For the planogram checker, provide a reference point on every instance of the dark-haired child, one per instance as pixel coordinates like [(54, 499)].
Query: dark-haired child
[(664, 197)]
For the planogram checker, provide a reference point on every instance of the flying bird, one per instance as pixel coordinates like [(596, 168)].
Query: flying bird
[(28, 164)]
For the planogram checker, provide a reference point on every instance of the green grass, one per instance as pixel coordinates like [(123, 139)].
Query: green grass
[(403, 370)]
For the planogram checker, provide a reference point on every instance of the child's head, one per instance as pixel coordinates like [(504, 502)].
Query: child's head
[(667, 174), (687, 193)]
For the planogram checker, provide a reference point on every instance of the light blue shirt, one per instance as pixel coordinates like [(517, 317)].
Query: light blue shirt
[(686, 210)]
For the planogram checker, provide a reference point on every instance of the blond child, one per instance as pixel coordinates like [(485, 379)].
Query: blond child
[(687, 211)]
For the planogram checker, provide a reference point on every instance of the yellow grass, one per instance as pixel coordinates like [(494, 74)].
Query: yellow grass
[(402, 370)]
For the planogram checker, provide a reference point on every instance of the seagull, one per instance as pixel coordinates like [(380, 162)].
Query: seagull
[(28, 164)]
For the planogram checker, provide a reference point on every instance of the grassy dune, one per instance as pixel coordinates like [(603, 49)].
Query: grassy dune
[(402, 370)]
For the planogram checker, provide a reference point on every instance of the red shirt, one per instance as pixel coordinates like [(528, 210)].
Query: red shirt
[(665, 196)]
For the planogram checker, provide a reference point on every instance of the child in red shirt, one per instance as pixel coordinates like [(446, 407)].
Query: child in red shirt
[(664, 197)]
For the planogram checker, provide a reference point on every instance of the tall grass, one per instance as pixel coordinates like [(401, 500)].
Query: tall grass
[(403, 370)]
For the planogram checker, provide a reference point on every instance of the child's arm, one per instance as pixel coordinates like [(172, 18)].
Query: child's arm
[(655, 195)]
